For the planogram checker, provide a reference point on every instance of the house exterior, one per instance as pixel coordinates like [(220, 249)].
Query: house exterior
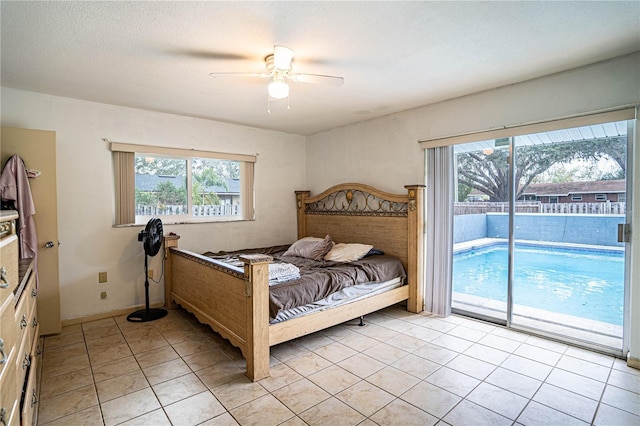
[(568, 192), (576, 192)]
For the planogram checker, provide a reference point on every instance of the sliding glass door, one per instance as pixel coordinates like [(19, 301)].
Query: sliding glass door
[(536, 222), (480, 262)]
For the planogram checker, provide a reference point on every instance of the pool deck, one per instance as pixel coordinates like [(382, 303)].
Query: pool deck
[(582, 329), (483, 242)]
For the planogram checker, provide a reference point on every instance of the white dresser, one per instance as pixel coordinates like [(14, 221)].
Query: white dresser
[(20, 343)]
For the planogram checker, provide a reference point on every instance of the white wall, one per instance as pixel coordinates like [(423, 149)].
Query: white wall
[(90, 243), (384, 152)]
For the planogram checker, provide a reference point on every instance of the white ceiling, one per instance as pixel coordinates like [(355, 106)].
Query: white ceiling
[(393, 56)]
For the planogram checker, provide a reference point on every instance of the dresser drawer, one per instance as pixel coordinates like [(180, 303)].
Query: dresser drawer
[(30, 402), (8, 267), (34, 325), (30, 293), (9, 397), (21, 324), (21, 364), (7, 330)]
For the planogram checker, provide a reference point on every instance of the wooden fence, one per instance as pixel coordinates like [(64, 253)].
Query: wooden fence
[(605, 207), (198, 211)]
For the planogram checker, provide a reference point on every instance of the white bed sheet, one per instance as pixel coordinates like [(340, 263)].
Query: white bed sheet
[(344, 296)]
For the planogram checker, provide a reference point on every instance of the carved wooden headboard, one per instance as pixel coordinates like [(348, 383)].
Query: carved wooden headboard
[(358, 213)]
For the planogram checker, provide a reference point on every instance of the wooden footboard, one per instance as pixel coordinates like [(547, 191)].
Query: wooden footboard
[(235, 301)]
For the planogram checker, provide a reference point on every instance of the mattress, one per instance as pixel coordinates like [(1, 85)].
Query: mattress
[(320, 279), (342, 297)]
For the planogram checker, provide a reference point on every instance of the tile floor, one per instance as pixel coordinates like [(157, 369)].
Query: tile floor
[(399, 369)]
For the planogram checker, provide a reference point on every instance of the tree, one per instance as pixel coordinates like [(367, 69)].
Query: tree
[(168, 194), (223, 168), (148, 165), (463, 192), (581, 171), (488, 173), (146, 198), (201, 182)]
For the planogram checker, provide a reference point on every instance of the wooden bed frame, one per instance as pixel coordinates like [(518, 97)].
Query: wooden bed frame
[(235, 301)]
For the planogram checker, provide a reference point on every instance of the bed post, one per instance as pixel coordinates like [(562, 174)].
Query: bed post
[(169, 241), (256, 353), (300, 199), (415, 261)]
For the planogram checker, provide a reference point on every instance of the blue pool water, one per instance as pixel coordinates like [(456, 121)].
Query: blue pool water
[(582, 283)]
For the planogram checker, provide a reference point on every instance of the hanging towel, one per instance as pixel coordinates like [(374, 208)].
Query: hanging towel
[(14, 186)]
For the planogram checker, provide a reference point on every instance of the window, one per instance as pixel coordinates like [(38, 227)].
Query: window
[(622, 198), (553, 199), (576, 198), (601, 197), (181, 185)]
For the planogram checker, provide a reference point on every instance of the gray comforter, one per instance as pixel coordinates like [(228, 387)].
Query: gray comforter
[(318, 279)]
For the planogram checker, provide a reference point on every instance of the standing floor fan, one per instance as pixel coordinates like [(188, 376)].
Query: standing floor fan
[(151, 239)]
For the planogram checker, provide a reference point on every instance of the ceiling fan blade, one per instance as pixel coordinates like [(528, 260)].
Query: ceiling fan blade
[(238, 74), (326, 80), (210, 54)]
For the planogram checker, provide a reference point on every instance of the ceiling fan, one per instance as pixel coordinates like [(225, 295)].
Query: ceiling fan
[(278, 65)]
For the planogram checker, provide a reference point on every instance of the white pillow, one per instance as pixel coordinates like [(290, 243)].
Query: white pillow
[(347, 252)]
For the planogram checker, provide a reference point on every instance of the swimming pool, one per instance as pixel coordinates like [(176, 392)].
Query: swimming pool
[(579, 282)]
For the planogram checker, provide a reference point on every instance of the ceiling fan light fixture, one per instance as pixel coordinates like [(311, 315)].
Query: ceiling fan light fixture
[(282, 57), (278, 89)]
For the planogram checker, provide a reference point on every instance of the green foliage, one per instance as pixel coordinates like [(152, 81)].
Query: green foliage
[(206, 175), (146, 198), (165, 193), (463, 192), (581, 171), (205, 178), (221, 168), (150, 165), (169, 194)]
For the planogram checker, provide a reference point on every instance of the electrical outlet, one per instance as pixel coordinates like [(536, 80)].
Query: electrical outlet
[(103, 295), (150, 274), (102, 277)]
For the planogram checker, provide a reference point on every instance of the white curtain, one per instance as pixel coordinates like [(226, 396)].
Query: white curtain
[(439, 228)]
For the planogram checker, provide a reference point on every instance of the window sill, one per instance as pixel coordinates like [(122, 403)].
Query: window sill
[(181, 221)]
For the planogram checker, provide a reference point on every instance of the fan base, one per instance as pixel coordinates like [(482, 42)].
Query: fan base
[(145, 315)]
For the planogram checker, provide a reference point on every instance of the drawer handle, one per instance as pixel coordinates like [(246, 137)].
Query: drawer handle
[(34, 292), (34, 398), (3, 278), (35, 323), (26, 362), (23, 321), (38, 350), (3, 416), (4, 356)]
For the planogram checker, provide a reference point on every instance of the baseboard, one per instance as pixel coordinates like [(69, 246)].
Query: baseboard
[(633, 362), (108, 314)]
